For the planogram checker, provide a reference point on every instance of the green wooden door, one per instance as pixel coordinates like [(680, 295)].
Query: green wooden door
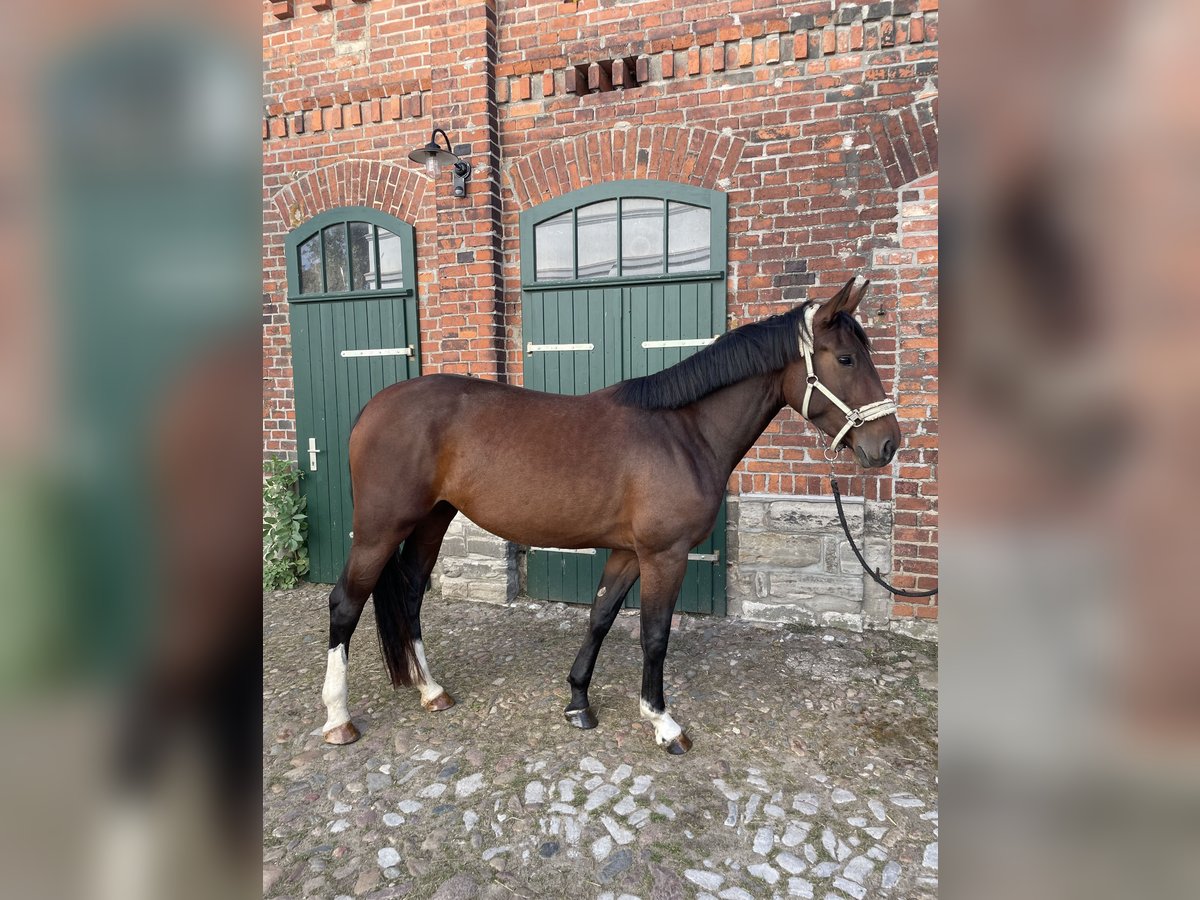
[(592, 317), (353, 319)]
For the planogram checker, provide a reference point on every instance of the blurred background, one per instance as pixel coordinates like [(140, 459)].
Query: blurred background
[(130, 478), (1070, 676), (129, 451)]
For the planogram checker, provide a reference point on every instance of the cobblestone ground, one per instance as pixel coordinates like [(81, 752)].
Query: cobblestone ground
[(813, 772)]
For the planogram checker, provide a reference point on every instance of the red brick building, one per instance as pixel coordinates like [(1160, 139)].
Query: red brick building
[(812, 128)]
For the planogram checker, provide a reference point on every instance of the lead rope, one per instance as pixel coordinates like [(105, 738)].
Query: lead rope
[(875, 575), (854, 418)]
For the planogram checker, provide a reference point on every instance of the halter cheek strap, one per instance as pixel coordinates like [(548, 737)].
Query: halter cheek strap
[(854, 417)]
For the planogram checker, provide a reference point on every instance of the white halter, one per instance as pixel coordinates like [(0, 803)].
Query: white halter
[(854, 417)]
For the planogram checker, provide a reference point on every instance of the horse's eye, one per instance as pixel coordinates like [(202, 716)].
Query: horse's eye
[(846, 360)]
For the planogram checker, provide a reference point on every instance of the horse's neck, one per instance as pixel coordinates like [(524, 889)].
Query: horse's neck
[(733, 418)]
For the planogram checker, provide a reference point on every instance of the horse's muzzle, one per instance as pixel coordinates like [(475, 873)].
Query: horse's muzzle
[(877, 459)]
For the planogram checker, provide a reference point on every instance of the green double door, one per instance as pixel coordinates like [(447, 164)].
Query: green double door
[(581, 338)]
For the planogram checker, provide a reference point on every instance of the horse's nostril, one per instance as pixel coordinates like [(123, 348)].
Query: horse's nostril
[(889, 450)]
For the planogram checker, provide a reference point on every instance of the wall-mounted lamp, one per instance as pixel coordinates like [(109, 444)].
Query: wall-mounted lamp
[(433, 157)]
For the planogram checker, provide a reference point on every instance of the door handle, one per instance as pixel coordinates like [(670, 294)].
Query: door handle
[(312, 454)]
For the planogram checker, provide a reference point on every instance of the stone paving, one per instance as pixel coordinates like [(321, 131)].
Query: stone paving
[(813, 773)]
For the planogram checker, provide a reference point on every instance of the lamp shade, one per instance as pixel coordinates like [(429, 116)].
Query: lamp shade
[(433, 157)]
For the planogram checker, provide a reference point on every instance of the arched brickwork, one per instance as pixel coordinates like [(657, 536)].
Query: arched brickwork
[(396, 190), (683, 155), (906, 141)]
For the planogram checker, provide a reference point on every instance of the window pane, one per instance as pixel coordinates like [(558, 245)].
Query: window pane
[(310, 266), (362, 256), (337, 275), (553, 249), (690, 239), (641, 236), (597, 239), (391, 260)]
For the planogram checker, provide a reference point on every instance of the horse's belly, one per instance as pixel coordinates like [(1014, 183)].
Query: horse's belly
[(542, 505), (544, 521)]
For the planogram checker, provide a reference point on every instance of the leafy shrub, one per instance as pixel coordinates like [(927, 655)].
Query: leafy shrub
[(285, 526)]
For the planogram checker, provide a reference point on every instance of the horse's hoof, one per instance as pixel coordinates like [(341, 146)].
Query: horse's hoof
[(342, 734), (680, 745), (438, 703), (581, 718)]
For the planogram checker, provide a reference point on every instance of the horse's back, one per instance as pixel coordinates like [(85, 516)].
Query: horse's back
[(442, 398)]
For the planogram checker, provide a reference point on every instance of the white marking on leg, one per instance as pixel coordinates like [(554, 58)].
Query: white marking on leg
[(129, 849), (601, 592), (666, 729), (336, 693), (429, 687)]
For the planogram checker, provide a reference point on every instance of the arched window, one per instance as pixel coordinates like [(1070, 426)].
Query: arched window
[(350, 251), (639, 229)]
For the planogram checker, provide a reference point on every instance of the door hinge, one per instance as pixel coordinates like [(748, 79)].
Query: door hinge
[(380, 351)]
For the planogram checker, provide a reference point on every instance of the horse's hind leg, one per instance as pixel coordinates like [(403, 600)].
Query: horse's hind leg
[(417, 558), (620, 573), (359, 577), (662, 575)]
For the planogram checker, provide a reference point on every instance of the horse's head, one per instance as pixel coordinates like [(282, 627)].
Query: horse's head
[(842, 394)]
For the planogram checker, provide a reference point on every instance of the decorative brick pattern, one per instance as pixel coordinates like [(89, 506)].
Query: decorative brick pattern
[(677, 45), (345, 109)]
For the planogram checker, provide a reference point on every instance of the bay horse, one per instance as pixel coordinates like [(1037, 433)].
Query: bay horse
[(639, 467)]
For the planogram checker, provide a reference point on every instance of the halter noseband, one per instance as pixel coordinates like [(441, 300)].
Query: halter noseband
[(854, 417)]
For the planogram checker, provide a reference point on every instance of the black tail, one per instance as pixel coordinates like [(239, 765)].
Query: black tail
[(393, 595)]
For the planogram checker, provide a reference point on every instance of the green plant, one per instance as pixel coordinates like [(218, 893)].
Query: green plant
[(285, 526)]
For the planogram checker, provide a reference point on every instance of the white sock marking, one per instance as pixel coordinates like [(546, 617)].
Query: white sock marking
[(129, 848), (336, 693), (666, 729), (429, 687)]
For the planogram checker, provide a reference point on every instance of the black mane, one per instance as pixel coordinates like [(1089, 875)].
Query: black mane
[(754, 349)]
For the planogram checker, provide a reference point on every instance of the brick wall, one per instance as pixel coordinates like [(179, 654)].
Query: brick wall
[(817, 119), (915, 546)]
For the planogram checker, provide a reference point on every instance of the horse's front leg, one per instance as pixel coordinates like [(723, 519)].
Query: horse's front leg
[(620, 572), (662, 576)]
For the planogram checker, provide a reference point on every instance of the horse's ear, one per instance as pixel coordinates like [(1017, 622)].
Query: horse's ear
[(846, 300)]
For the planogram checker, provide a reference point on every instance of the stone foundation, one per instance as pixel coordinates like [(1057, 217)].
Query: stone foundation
[(475, 565), (789, 560)]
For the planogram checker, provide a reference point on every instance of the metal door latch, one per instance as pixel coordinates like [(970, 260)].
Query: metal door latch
[(312, 454)]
